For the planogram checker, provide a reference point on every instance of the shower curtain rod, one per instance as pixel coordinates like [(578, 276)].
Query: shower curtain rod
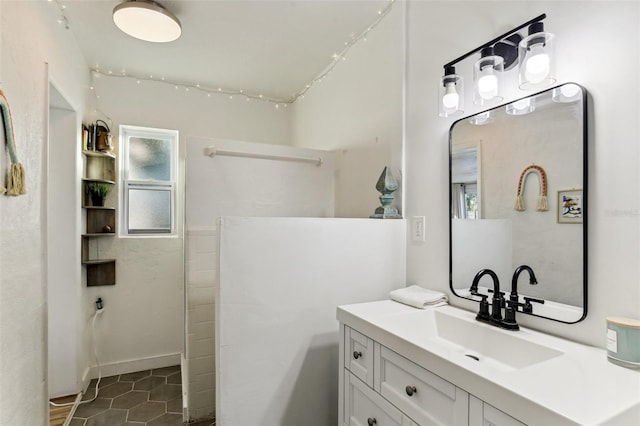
[(212, 151)]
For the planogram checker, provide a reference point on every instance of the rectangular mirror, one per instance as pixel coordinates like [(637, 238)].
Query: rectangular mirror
[(518, 196)]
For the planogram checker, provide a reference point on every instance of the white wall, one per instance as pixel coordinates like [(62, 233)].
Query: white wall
[(235, 186), (193, 113), (144, 316), (357, 111), (281, 280), (614, 228), (31, 37), (223, 186), (64, 290)]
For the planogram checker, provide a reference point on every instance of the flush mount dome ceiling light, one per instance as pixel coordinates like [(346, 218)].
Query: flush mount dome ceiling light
[(147, 20)]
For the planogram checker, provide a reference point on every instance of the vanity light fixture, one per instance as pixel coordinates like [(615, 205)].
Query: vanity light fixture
[(481, 119), (147, 20), (487, 77), (537, 65), (533, 53), (521, 106), (451, 93), (567, 93)]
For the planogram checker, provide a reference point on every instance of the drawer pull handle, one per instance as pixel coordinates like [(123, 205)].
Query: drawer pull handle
[(357, 355), (372, 421), (411, 390)]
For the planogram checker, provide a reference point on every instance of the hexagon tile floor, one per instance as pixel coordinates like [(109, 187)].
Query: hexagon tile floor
[(145, 398)]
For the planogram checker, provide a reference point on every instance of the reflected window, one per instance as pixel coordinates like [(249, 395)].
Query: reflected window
[(149, 167), (464, 200)]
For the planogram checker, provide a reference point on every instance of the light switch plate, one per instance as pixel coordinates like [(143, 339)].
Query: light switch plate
[(417, 228)]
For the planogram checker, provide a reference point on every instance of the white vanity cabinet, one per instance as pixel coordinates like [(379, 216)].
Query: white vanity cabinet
[(441, 366), (365, 407), (358, 355), (380, 387), (483, 414), (425, 397)]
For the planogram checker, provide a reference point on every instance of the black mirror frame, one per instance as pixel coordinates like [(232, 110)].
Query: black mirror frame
[(585, 198)]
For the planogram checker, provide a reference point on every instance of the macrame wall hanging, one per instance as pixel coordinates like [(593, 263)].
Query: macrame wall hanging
[(16, 178), (543, 204)]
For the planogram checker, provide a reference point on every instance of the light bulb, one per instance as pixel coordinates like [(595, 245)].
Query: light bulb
[(522, 104), (537, 65), (451, 98), (569, 90), (482, 118), (488, 86), (566, 93)]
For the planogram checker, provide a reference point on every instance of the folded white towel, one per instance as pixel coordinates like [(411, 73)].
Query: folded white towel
[(419, 297)]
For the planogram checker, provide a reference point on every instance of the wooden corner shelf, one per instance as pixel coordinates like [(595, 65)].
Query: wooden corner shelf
[(100, 272), (99, 167), (107, 181), (99, 154)]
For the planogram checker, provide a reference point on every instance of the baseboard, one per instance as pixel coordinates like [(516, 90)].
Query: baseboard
[(130, 366)]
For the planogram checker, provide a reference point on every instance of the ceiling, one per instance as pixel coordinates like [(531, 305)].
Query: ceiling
[(270, 47)]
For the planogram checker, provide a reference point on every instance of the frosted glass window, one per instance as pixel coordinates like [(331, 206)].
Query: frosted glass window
[(149, 159), (149, 164), (149, 210)]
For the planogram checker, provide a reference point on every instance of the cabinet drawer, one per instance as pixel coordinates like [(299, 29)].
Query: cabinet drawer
[(483, 414), (426, 398), (364, 407), (358, 355)]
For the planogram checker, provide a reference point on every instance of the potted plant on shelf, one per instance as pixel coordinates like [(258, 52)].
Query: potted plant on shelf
[(98, 192)]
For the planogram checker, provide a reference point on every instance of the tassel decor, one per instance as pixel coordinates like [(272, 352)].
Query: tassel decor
[(16, 178), (543, 203)]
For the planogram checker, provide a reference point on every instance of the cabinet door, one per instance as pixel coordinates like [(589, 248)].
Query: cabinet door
[(426, 398), (358, 355), (483, 414), (364, 407)]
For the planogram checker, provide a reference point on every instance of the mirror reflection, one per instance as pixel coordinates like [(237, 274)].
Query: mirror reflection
[(518, 197)]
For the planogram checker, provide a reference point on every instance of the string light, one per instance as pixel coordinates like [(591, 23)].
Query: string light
[(62, 18), (190, 87), (354, 38)]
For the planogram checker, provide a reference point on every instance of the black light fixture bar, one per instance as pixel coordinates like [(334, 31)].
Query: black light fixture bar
[(497, 39)]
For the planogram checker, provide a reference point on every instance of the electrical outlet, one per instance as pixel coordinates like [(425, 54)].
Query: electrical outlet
[(417, 228)]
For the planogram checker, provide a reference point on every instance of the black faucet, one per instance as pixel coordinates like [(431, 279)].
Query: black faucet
[(497, 302), (514, 281), (514, 298)]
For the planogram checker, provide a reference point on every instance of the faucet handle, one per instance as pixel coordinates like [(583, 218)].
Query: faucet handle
[(483, 313), (515, 304), (477, 293), (528, 308)]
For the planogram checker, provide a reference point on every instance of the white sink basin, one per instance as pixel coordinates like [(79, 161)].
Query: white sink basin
[(491, 344), (462, 336)]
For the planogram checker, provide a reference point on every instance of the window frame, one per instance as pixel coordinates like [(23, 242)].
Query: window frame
[(126, 132)]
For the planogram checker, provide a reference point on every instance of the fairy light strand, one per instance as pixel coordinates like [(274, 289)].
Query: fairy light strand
[(62, 19), (336, 58), (96, 72)]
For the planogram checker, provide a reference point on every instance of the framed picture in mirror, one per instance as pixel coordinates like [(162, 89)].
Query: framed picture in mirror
[(570, 206)]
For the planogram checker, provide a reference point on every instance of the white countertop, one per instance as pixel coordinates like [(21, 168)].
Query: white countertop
[(579, 387)]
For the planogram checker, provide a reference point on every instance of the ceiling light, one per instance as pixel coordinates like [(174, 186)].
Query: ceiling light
[(147, 20)]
